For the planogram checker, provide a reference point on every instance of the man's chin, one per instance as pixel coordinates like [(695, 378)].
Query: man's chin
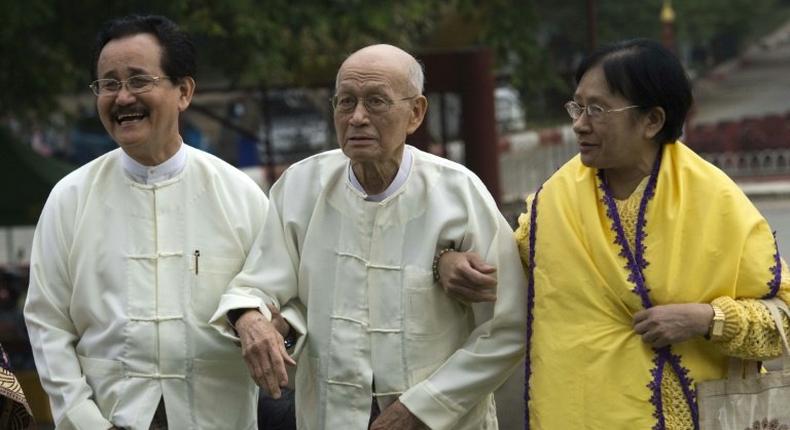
[(361, 153), (131, 146)]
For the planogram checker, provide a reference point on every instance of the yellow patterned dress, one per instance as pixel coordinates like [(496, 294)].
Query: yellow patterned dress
[(749, 330)]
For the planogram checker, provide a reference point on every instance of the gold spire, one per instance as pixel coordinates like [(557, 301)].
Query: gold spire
[(667, 13)]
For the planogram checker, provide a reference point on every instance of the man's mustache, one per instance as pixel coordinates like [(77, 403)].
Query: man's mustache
[(126, 110)]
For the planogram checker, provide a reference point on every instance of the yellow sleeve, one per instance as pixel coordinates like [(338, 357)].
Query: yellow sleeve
[(522, 232), (749, 330)]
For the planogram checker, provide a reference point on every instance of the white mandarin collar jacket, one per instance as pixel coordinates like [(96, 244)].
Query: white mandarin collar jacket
[(360, 272), (123, 279)]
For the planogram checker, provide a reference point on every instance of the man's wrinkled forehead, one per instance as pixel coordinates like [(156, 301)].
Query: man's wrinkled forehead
[(366, 79), (371, 70)]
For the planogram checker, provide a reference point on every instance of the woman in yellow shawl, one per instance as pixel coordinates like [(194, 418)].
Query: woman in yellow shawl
[(645, 262)]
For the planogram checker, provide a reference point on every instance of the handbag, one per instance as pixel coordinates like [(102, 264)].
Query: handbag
[(749, 399)]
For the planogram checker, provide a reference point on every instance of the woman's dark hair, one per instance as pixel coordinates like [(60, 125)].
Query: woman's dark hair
[(648, 75), (178, 51)]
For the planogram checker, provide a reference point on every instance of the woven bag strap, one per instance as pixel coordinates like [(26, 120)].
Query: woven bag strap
[(777, 307)]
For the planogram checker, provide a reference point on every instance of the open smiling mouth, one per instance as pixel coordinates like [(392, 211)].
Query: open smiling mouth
[(129, 117)]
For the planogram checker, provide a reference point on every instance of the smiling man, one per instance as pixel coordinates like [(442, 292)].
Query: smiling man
[(133, 251), (349, 239)]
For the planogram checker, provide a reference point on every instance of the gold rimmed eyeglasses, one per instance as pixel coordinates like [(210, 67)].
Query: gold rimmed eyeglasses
[(137, 84)]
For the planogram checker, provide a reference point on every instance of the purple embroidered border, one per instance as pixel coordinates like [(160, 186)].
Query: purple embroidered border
[(650, 191), (634, 271), (635, 263), (687, 383), (655, 388), (533, 228), (776, 270)]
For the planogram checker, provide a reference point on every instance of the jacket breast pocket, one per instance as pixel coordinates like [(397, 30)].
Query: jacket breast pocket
[(436, 325), (210, 276), (430, 312)]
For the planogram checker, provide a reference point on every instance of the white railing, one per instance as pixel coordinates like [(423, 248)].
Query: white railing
[(767, 162), (529, 162), (524, 168)]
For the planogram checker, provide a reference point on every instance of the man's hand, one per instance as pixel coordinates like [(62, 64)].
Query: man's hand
[(465, 276), (669, 324), (397, 417), (263, 351)]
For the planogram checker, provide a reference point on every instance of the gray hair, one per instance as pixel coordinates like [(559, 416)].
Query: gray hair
[(417, 76)]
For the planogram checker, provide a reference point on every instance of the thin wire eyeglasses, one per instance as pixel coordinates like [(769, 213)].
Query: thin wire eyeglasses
[(374, 104), (593, 111), (137, 84)]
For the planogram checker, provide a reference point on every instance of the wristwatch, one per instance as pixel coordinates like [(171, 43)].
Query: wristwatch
[(716, 329), (289, 341)]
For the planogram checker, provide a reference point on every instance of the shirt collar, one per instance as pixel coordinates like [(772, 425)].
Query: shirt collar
[(152, 174), (397, 182)]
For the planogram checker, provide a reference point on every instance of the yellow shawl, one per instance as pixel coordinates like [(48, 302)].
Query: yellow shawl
[(702, 239)]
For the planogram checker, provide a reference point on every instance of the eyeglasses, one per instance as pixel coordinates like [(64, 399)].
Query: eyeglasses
[(137, 84), (593, 111), (374, 104)]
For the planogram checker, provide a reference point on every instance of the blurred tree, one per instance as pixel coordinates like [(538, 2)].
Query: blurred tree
[(28, 50), (718, 29), (45, 49), (46, 44), (542, 41), (279, 43)]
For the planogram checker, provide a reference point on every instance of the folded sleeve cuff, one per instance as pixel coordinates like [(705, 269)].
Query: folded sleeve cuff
[(430, 406), (229, 302), (298, 325), (84, 416)]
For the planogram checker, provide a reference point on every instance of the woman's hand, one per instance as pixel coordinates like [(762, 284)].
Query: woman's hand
[(467, 277)]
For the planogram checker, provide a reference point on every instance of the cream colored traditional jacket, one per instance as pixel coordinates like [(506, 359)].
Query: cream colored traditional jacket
[(119, 301), (361, 270)]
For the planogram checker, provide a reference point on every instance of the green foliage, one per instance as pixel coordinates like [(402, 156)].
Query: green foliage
[(29, 49), (543, 40), (279, 43), (46, 44)]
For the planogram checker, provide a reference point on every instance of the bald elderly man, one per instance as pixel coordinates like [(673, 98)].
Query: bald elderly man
[(348, 241)]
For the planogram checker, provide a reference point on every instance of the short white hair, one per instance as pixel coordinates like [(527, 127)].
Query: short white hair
[(417, 76)]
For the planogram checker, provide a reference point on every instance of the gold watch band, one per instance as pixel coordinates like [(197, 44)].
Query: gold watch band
[(716, 329)]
